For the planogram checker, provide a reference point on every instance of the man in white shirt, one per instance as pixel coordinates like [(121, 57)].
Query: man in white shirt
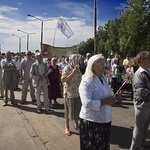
[(62, 64), (9, 78), (39, 72), (25, 67)]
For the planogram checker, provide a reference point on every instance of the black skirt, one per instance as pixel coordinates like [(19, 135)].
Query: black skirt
[(94, 136)]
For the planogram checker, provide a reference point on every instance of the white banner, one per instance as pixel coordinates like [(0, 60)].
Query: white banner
[(63, 26)]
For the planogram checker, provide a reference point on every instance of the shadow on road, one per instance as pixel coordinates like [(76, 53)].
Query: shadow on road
[(121, 136), (27, 107)]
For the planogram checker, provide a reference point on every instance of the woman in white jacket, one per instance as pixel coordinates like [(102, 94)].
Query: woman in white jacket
[(95, 114)]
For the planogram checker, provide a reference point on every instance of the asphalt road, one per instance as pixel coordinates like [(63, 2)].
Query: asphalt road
[(22, 128)]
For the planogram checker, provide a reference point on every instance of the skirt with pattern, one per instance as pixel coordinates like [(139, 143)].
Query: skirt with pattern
[(94, 136)]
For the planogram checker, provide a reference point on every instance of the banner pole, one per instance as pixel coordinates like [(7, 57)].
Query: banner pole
[(54, 36), (120, 88)]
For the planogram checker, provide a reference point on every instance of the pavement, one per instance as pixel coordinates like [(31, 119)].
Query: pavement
[(22, 128)]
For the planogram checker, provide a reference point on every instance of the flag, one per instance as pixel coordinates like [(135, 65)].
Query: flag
[(48, 50), (63, 26)]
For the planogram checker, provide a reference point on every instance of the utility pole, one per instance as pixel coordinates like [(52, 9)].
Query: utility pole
[(95, 26)]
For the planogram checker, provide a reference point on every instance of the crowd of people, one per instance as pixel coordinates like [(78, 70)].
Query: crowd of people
[(90, 85)]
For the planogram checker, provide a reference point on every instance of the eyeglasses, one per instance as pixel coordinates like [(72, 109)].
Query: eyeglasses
[(29, 54), (100, 64), (146, 58)]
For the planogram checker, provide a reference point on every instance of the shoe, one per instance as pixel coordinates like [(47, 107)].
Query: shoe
[(67, 132), (23, 102), (33, 100), (51, 106), (77, 128), (56, 103), (49, 111), (38, 110), (14, 103), (4, 104)]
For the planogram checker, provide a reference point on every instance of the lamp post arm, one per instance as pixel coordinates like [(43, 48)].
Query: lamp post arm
[(41, 25), (34, 17)]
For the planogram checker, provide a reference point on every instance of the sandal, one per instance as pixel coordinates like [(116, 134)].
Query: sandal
[(67, 132), (77, 128)]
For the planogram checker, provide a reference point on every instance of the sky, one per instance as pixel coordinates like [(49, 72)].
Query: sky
[(78, 14)]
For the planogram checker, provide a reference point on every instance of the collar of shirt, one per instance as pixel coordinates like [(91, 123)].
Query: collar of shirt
[(39, 62), (142, 70)]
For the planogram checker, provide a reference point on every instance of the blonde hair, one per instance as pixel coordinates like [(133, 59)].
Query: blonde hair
[(89, 69)]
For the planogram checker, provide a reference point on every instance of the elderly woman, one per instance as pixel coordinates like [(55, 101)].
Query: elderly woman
[(95, 115), (54, 89), (71, 77), (141, 99)]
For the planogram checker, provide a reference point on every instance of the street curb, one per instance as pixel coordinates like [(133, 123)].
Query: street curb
[(31, 131)]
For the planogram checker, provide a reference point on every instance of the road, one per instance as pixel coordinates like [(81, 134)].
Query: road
[(22, 128)]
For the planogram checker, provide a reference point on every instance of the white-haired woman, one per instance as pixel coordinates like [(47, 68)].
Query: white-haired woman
[(96, 98), (71, 78)]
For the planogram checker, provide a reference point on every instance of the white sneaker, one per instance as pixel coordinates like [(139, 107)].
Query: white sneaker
[(38, 110), (49, 111)]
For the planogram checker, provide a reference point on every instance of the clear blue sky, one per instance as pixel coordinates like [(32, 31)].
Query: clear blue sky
[(78, 14)]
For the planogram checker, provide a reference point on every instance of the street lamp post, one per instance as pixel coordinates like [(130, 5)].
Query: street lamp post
[(95, 25), (41, 25), (19, 42), (1, 48), (27, 37)]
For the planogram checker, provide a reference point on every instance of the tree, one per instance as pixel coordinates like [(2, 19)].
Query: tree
[(137, 23), (129, 33), (86, 47)]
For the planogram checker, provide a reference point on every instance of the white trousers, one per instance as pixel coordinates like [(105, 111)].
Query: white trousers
[(42, 86)]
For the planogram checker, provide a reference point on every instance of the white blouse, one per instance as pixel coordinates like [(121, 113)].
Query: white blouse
[(92, 92)]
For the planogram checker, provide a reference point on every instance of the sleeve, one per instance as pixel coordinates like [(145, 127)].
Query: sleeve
[(3, 63), (64, 73), (141, 91), (22, 64), (113, 70), (32, 73), (46, 69), (86, 92)]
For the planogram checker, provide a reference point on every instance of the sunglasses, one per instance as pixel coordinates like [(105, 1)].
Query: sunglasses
[(146, 58), (29, 54)]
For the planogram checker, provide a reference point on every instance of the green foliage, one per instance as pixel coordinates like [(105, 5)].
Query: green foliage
[(86, 47), (129, 33)]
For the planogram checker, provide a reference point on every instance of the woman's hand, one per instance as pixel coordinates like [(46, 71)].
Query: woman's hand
[(108, 101), (74, 71)]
